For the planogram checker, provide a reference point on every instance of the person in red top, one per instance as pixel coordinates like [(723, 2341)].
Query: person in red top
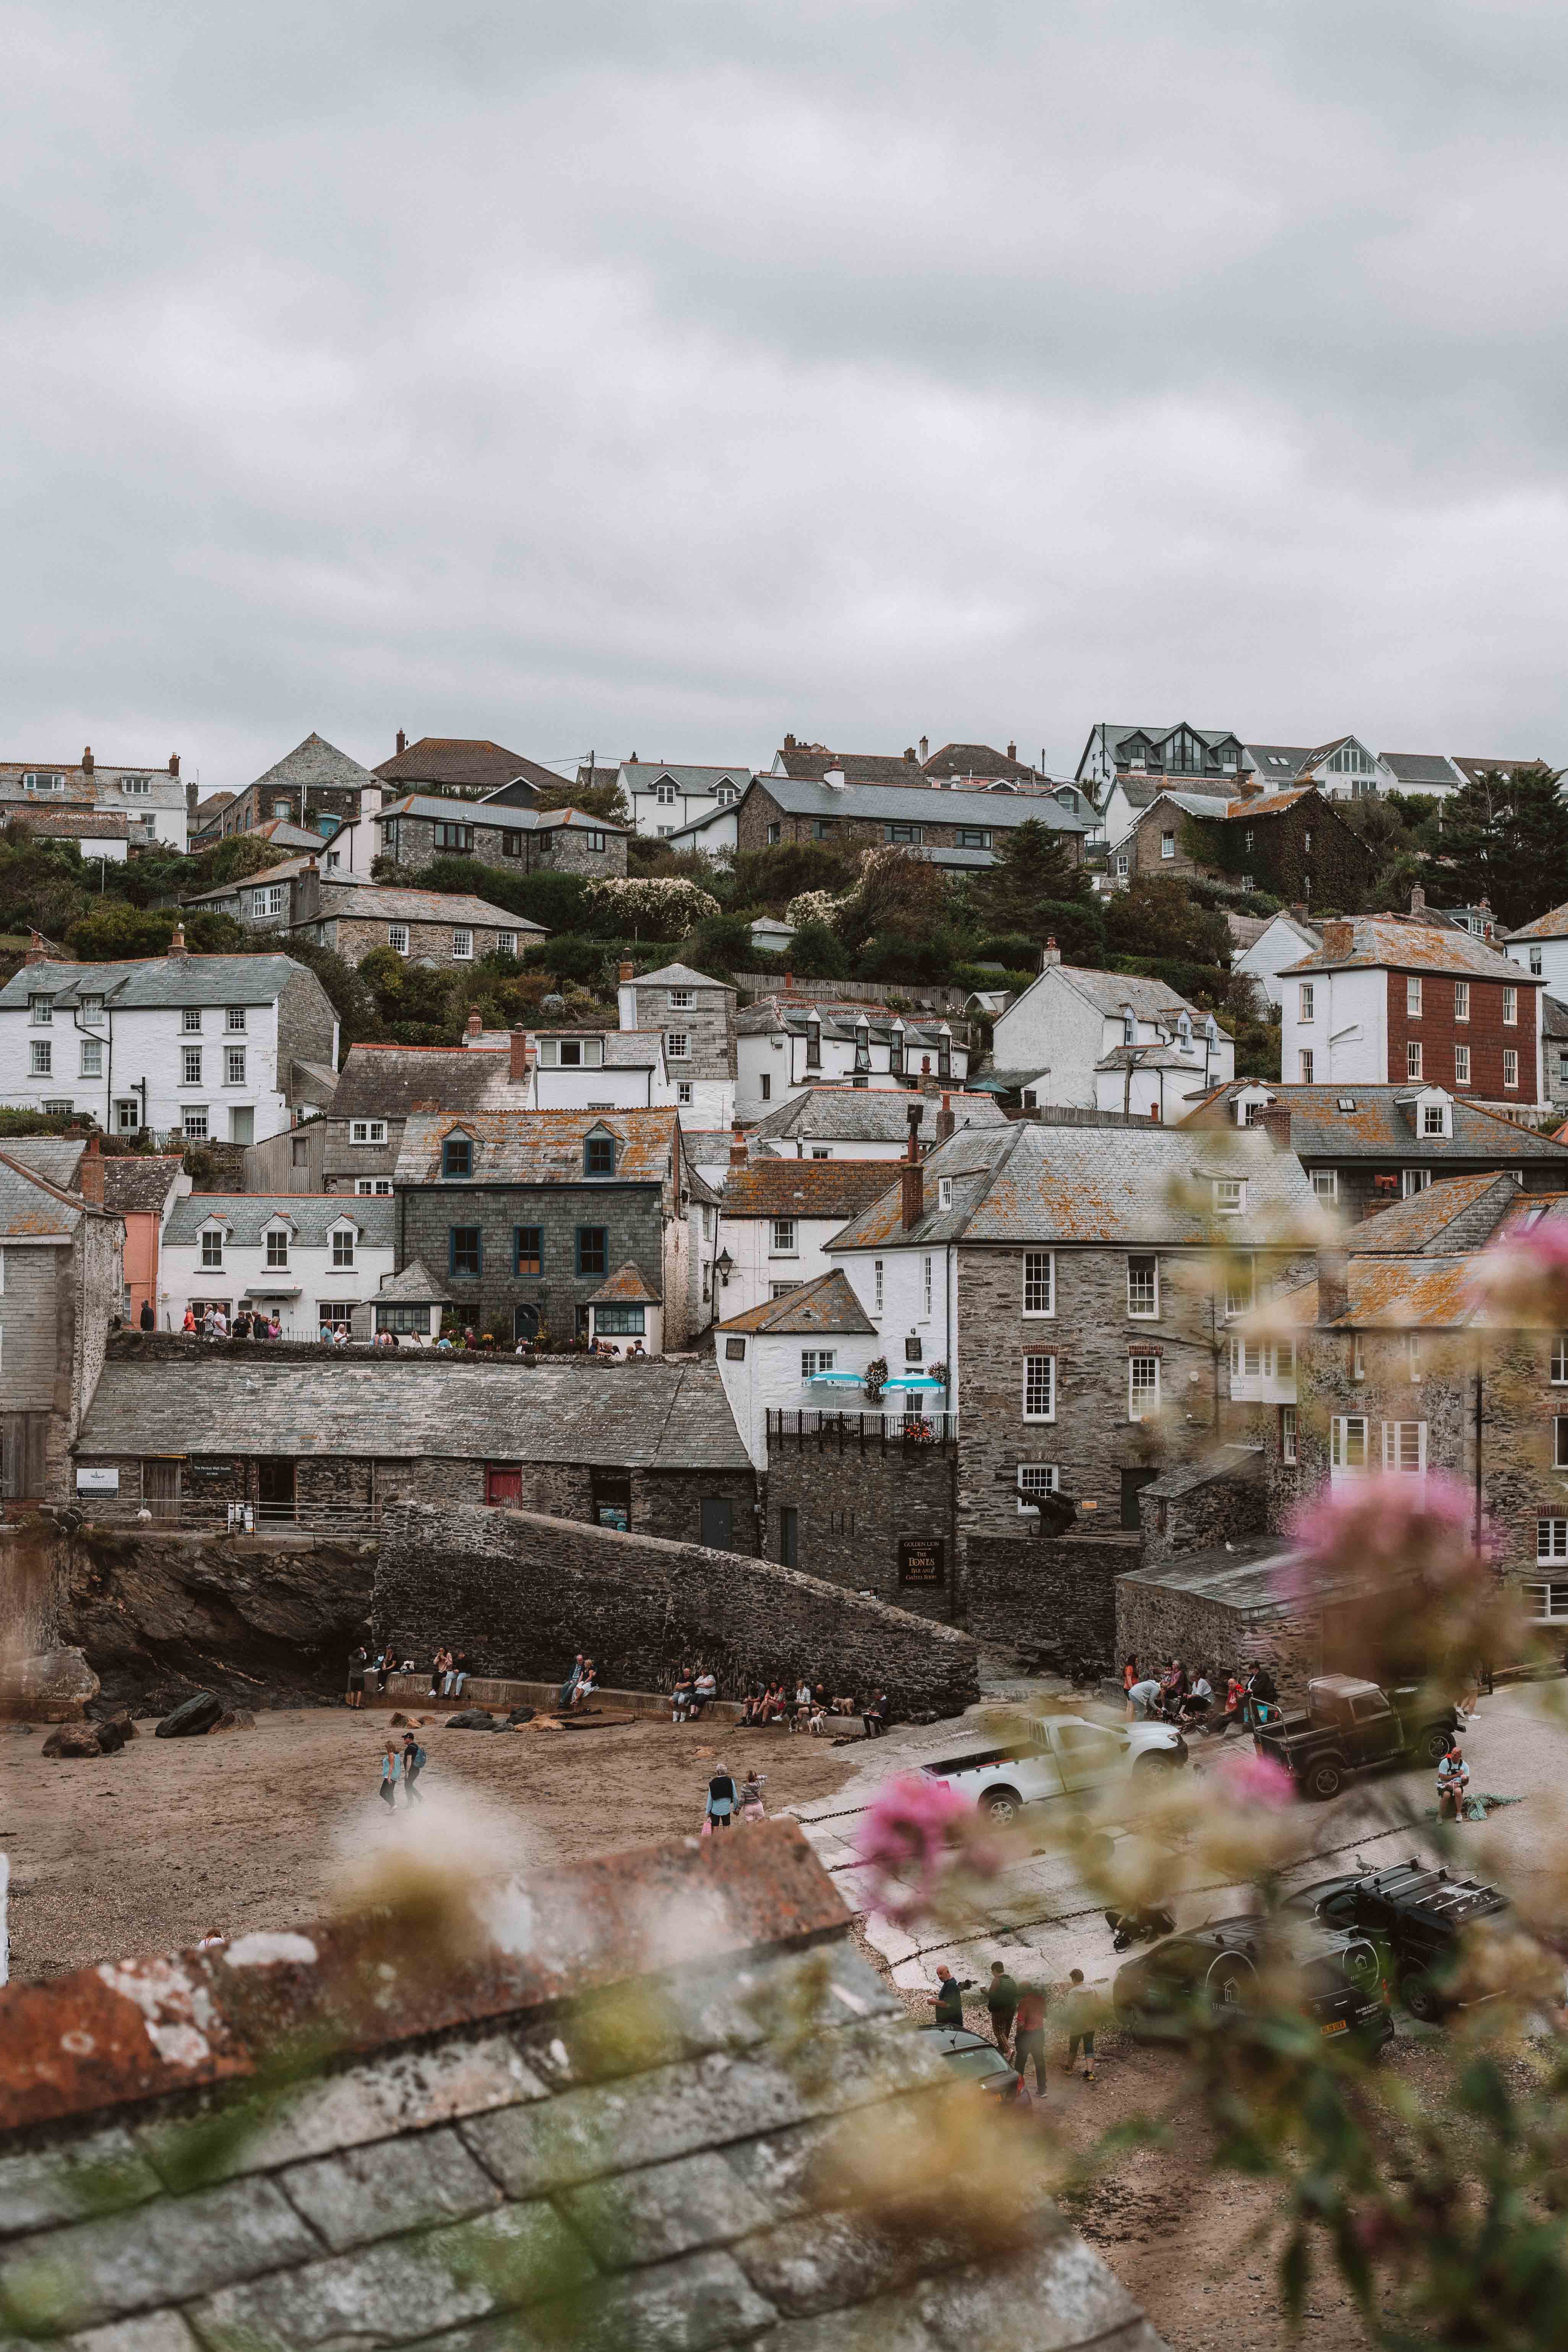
[(1029, 2041)]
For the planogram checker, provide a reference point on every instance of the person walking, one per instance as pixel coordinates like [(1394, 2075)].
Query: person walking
[(147, 1320), (721, 1796), (1029, 2041), (1453, 1780), (391, 1773), (1001, 2005), (358, 1660), (949, 1995), (1079, 2020), (752, 1807), (413, 1762)]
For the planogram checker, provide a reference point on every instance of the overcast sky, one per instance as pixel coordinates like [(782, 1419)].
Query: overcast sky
[(664, 377)]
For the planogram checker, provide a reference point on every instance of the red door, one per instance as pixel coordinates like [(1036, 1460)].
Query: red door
[(503, 1485)]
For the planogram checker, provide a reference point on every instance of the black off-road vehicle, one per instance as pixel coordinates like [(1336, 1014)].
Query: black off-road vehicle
[(1414, 1915), (1349, 1725), (1214, 1970)]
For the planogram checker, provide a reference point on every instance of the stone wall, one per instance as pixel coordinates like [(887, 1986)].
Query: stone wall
[(853, 1508), (1155, 1621), (428, 942), (1207, 1503), (522, 1594), (632, 1216), (1057, 1592), (307, 1026)]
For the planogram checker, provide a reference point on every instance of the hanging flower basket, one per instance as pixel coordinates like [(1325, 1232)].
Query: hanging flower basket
[(876, 1379)]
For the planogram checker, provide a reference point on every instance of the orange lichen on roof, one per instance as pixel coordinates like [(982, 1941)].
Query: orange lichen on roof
[(1397, 943), (1401, 1294), (807, 1188)]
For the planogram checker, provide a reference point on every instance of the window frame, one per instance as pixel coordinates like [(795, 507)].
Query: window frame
[(462, 944), (234, 1076), (370, 1127), (1509, 1007), (784, 1238), (397, 938), (1033, 1359), (274, 1245), (1290, 1435), (1413, 1060), (452, 1146), (465, 1273), (1235, 1208), (1325, 1183), (212, 1240), (1412, 993), (1461, 1000), (1306, 1001), (1395, 1431), (1149, 1314), (1030, 1282), (1340, 1425), (341, 1240), (1511, 1066), (526, 1263), (1148, 1390), (1051, 1478), (601, 1148), (601, 1249), (677, 1046), (1461, 1065)]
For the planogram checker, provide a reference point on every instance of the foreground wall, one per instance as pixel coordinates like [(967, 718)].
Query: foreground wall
[(522, 1593), (1050, 1593)]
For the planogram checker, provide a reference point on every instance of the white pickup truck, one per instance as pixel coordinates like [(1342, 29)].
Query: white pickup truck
[(1059, 1756)]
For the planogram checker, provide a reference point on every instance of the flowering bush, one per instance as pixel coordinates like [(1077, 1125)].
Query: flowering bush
[(656, 907), (1253, 1780), (1524, 1280), (812, 907), (904, 1841)]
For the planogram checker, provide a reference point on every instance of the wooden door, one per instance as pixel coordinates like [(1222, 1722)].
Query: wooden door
[(503, 1485), (160, 1488)]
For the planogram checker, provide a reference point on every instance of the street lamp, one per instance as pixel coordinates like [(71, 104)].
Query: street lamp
[(724, 1266)]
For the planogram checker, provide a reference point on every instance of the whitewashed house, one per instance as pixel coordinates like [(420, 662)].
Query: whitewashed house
[(662, 799), (808, 1350), (597, 1069), (1541, 949), (1112, 1041), (783, 1047), (207, 1048), (777, 1218), (315, 1258), (867, 1123), (1284, 940), (151, 800)]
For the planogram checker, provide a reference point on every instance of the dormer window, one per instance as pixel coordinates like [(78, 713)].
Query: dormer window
[(1229, 1195), (813, 1044), (727, 794), (1128, 1026), (43, 780), (92, 1010), (945, 1192), (599, 1155), (665, 793), (1183, 1032), (138, 787), (277, 1247), (458, 1155), (41, 1011), (212, 1249), (342, 1249)]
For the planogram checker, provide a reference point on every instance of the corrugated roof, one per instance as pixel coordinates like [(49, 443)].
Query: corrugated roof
[(387, 1081), (826, 1304), (920, 804), (660, 1415), (1119, 1185), (1381, 1125), (870, 1115), (806, 1187), (1401, 943), (543, 1147), (155, 981), (245, 1216)]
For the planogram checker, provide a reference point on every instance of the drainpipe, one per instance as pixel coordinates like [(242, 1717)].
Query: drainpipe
[(1480, 1379)]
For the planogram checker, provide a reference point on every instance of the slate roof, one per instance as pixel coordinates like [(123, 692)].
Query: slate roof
[(680, 975), (1122, 1186), (1209, 806), (1151, 999), (641, 775), (1404, 1293), (626, 1287), (673, 1416), (613, 2127), (870, 1115), (1275, 759), (1140, 792), (141, 1182), (1552, 925), (1471, 767), (285, 871), (806, 1187), (509, 818), (980, 760), (286, 835), (381, 902), (245, 1217), (473, 762), (543, 1147), (1115, 736), (1270, 803), (155, 981), (1422, 1224), (414, 1286), (1553, 1016), (775, 1015), (75, 825), (1415, 767), (31, 1208), (315, 762), (55, 1158), (1402, 943), (888, 804), (826, 1304), (389, 1081), (1383, 1125), (809, 761), (1244, 1577)]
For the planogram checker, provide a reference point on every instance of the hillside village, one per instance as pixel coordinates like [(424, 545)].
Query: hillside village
[(1002, 1194)]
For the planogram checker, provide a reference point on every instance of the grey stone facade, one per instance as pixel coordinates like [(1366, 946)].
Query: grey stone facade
[(637, 1230), (1057, 1591), (855, 1504), (521, 1594), (523, 845), (59, 1297), (307, 1026), (707, 1021)]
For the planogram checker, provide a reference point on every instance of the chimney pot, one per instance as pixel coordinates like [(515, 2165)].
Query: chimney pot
[(1418, 900), (177, 940), (912, 1176), (1012, 751), (624, 974), (789, 743), (789, 981), (476, 1026), (945, 1121), (737, 1149), (87, 761), (925, 748), (35, 949), (1050, 954), (1274, 1119), (521, 1057)]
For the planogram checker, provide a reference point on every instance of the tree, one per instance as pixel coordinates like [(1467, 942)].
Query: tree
[(116, 931), (1504, 838), (1034, 868), (605, 799), (1158, 917), (896, 892)]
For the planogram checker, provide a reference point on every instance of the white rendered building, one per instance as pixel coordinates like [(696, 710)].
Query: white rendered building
[(783, 1047), (313, 1257), (1112, 1041)]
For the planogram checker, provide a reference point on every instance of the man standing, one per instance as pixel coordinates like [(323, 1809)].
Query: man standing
[(413, 1762), (949, 1995), (1079, 2023), (358, 1660), (1002, 2003), (1030, 2041)]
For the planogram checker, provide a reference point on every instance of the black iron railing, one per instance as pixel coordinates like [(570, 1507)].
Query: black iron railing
[(846, 1432)]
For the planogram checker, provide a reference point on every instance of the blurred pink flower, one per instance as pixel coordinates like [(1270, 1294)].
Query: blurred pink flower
[(1524, 1279), (1383, 1524), (904, 1840), (1255, 1781)]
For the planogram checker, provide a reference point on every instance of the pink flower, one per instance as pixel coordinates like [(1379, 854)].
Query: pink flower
[(1255, 1781), (904, 1837), (1524, 1279), (1381, 1525)]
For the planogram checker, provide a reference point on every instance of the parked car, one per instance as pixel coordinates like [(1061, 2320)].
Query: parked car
[(975, 2060), (1215, 1966), (1349, 1725), (1414, 1914), (1059, 1756)]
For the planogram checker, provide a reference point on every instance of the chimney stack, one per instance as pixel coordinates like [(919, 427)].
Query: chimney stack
[(1274, 1119), (402, 740), (1339, 941), (925, 748), (738, 1153), (945, 1121), (177, 940), (1012, 751), (911, 1174), (521, 1058), (37, 953), (87, 761), (174, 763), (624, 974), (1418, 900), (1333, 1284), (476, 1026), (90, 1174), (1050, 954)]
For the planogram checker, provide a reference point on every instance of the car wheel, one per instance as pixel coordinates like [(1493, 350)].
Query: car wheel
[(1421, 1997), (1158, 1760), (1434, 1744), (1003, 1805), (1324, 1780)]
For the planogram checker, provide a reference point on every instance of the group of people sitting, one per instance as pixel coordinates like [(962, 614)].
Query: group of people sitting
[(1186, 1697), (692, 1693), (448, 1672), (214, 1324), (582, 1681)]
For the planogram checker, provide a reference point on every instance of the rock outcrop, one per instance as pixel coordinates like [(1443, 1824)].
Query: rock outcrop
[(52, 1687)]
